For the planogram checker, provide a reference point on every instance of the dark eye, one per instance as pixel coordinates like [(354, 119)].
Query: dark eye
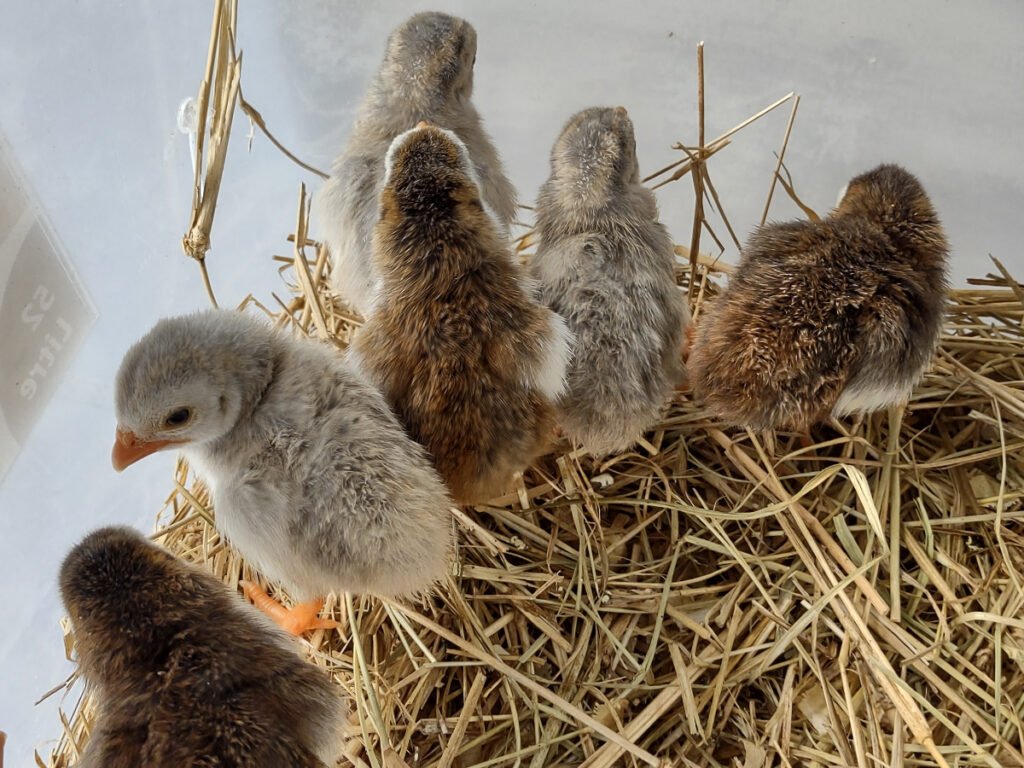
[(178, 417)]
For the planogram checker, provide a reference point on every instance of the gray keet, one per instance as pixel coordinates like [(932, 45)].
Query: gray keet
[(312, 477), (427, 74), (606, 264)]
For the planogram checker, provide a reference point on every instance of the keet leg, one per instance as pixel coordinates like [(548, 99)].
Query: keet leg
[(302, 618)]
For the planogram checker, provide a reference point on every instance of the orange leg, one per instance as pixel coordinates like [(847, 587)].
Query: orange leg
[(302, 618)]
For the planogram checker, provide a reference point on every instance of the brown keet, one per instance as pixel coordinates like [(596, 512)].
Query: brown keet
[(427, 74), (463, 352), (835, 317), (184, 671)]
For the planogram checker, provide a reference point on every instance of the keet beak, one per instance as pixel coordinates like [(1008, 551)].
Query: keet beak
[(422, 124), (128, 448)]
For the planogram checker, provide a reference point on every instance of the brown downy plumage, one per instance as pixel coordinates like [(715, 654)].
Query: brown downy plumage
[(185, 672), (464, 354), (839, 316)]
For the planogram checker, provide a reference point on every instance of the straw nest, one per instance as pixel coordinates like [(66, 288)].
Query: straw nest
[(708, 599)]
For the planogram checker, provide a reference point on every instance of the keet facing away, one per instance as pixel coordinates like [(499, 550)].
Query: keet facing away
[(184, 671), (606, 264), (312, 477), (832, 317), (456, 340), (427, 74)]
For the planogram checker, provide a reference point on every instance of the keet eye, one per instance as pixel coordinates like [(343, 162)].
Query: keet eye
[(178, 417)]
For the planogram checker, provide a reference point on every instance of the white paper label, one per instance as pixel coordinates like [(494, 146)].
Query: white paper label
[(44, 311)]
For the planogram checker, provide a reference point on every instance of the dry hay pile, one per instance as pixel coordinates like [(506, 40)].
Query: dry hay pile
[(708, 599)]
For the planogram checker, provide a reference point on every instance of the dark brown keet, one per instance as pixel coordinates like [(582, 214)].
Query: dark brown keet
[(466, 357), (185, 672), (832, 317)]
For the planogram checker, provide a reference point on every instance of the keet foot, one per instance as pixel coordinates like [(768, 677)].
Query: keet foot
[(302, 618)]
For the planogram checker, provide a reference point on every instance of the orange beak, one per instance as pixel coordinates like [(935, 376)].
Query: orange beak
[(128, 448), (422, 124)]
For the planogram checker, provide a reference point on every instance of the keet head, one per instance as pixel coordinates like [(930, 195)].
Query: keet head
[(595, 154), (426, 150), (119, 590), (429, 169), (893, 199), (887, 193), (187, 380), (430, 59)]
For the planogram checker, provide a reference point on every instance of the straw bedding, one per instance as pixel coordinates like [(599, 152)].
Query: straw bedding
[(708, 599)]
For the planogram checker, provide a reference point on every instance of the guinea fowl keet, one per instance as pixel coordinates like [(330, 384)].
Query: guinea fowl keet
[(312, 477)]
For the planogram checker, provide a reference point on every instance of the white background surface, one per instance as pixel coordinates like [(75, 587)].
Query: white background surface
[(88, 99)]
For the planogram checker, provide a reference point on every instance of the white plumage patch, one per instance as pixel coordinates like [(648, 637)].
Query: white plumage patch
[(549, 376), (396, 143), (842, 194), (870, 399)]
